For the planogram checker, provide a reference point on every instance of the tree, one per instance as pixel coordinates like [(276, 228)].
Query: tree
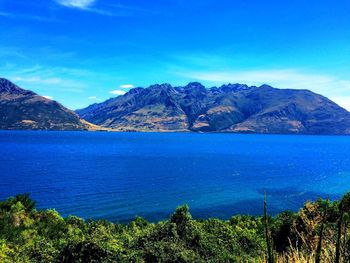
[(182, 218), (24, 199), (344, 208), (270, 257), (320, 238)]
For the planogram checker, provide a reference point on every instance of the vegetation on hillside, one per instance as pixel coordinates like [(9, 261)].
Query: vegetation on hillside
[(319, 232), (235, 108)]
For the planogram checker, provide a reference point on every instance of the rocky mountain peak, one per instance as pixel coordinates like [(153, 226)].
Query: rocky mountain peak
[(135, 90), (195, 89), (234, 87), (163, 86), (22, 109), (7, 86), (265, 86)]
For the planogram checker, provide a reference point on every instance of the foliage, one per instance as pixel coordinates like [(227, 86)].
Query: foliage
[(28, 235)]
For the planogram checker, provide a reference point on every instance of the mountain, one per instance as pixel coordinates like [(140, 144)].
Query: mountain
[(229, 108), (25, 110)]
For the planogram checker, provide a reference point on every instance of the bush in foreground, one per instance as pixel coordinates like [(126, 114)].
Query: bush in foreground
[(318, 232)]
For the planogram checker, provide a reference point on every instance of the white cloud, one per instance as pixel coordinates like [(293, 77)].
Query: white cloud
[(47, 97), (82, 4), (38, 79), (92, 98), (48, 80), (105, 8), (334, 88), (117, 92), (85, 5), (126, 86), (343, 101), (117, 10), (283, 78)]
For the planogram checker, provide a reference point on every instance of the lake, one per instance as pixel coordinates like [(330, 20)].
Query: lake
[(117, 176)]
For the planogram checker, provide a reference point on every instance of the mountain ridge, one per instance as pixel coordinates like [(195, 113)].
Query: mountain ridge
[(22, 109), (228, 108), (237, 108)]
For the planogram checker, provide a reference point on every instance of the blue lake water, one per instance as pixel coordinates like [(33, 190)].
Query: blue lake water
[(117, 176)]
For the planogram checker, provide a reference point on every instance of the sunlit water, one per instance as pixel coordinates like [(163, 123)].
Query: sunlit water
[(117, 176)]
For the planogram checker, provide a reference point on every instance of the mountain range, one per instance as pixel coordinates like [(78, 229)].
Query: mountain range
[(229, 108), (235, 108)]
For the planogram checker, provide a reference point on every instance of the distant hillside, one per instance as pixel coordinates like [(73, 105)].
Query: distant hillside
[(229, 108), (23, 109)]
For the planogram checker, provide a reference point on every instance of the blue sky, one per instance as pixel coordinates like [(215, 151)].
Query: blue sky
[(84, 51)]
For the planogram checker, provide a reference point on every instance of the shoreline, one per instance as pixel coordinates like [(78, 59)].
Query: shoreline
[(175, 132)]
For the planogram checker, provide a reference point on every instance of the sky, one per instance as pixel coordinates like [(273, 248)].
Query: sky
[(80, 52)]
